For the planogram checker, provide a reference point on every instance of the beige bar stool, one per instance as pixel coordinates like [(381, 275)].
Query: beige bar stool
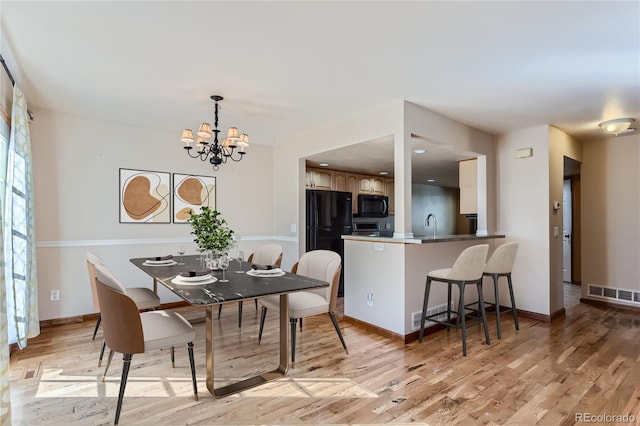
[(467, 270), (499, 265)]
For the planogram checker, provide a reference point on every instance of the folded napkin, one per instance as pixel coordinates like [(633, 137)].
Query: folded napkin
[(157, 258), (263, 267), (198, 273)]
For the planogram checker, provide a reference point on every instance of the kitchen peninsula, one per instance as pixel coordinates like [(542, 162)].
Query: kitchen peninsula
[(384, 279)]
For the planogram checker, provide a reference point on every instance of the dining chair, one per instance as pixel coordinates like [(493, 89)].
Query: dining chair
[(266, 254), (466, 270), (130, 332), (144, 298), (323, 265)]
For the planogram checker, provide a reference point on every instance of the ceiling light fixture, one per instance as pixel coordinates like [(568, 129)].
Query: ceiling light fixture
[(215, 152), (324, 164), (617, 126), (384, 173), (419, 151)]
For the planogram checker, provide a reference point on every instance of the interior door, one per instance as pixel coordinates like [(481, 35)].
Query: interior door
[(566, 231)]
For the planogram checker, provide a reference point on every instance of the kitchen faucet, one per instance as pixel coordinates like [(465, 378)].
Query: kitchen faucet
[(435, 223)]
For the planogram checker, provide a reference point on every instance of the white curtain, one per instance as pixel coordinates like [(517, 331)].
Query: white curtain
[(5, 391), (19, 229)]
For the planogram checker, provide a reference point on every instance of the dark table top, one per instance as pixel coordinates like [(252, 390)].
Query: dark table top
[(239, 287)]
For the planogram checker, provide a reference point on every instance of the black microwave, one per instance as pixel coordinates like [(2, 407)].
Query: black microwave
[(373, 205)]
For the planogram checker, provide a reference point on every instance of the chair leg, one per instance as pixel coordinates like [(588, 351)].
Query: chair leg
[(123, 383), (483, 313), (109, 358), (256, 302), (496, 296), (193, 370), (219, 310), (173, 357), (293, 322), (300, 324), (513, 302), (263, 315), (424, 308), (239, 314), (335, 325), (461, 316), (97, 325), (104, 345), (449, 307)]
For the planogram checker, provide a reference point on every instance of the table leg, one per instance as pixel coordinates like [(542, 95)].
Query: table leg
[(256, 380)]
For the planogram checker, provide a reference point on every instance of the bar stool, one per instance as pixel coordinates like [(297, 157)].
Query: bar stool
[(467, 270), (499, 265)]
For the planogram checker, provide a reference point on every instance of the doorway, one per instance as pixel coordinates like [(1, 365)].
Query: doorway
[(571, 257)]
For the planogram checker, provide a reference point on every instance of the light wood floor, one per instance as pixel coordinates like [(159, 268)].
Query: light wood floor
[(587, 362)]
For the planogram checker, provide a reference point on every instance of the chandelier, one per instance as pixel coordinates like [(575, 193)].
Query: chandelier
[(217, 153)]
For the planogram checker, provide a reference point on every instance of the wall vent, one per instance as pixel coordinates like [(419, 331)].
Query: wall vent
[(608, 293), (416, 317)]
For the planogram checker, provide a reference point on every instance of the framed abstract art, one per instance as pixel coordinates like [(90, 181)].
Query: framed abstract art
[(145, 196), (190, 193)]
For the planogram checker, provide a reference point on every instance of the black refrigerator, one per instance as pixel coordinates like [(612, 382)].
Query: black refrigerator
[(328, 217)]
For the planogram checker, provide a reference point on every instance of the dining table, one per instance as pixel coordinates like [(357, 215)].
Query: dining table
[(212, 292)]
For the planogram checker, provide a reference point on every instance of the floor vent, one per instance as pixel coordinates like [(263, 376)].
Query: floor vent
[(416, 317), (608, 293)]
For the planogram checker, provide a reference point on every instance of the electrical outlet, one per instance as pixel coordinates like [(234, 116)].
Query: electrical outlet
[(54, 296), (378, 247), (369, 299)]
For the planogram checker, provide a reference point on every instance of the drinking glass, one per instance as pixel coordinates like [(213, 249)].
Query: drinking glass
[(181, 253), (224, 264), (240, 259)]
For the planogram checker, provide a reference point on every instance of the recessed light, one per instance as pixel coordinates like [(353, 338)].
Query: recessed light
[(324, 164), (419, 151), (384, 173), (431, 180)]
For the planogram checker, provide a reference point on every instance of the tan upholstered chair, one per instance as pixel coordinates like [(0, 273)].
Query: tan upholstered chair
[(319, 264), (129, 332), (467, 270), (266, 254), (499, 265), (144, 298)]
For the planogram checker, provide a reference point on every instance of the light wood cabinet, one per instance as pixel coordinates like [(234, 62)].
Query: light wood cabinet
[(370, 185), (389, 191), (468, 181), (319, 179), (352, 182), (339, 181)]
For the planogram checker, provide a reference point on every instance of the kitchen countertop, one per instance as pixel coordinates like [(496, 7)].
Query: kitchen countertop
[(421, 239)]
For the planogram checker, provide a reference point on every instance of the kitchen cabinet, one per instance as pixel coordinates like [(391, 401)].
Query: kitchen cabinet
[(468, 182), (339, 181), (389, 191), (352, 182), (319, 179), (370, 185)]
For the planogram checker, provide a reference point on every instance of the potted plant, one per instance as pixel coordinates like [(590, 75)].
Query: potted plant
[(213, 235)]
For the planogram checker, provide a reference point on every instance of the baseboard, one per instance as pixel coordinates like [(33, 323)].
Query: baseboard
[(541, 317), (374, 329), (94, 317)]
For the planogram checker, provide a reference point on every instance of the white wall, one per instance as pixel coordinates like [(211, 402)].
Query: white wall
[(610, 191), (76, 171), (523, 214)]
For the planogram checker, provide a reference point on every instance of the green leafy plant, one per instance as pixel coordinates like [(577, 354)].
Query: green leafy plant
[(211, 231)]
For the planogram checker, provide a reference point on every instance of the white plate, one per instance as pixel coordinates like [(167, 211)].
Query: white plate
[(180, 281), (169, 262), (265, 273), (196, 278)]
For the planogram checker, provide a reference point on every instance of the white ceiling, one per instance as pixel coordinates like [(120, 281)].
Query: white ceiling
[(286, 68)]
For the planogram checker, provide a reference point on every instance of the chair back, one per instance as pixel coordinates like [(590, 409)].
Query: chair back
[(502, 260), (322, 265), (267, 254), (470, 264), (121, 323), (92, 260)]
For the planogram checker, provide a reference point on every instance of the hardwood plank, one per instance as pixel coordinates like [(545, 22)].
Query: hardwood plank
[(585, 362)]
